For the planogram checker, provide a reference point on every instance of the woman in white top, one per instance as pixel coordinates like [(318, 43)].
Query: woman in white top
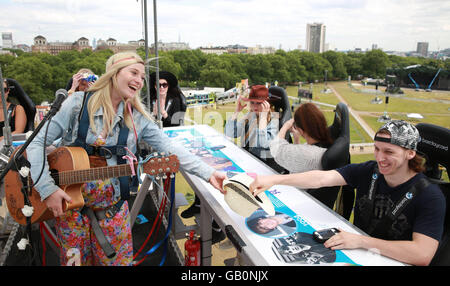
[(309, 123)]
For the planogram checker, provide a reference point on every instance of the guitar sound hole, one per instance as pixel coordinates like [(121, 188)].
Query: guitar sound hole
[(54, 175)]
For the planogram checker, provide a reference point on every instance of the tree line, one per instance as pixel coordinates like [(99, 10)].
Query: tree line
[(41, 74)]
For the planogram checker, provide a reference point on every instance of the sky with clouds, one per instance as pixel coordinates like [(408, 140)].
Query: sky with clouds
[(392, 25)]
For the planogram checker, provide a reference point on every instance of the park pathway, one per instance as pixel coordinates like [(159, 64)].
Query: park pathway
[(355, 114), (357, 148)]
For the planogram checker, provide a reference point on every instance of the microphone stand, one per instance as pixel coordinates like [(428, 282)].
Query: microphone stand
[(7, 149), (5, 154), (19, 153), (18, 161)]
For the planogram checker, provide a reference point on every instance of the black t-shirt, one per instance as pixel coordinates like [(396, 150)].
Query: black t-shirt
[(424, 214)]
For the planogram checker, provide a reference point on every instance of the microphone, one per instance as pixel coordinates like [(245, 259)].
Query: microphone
[(61, 95)]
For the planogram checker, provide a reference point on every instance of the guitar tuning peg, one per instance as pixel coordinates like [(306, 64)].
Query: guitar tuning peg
[(167, 170), (164, 176), (172, 175), (157, 177), (163, 153), (155, 154)]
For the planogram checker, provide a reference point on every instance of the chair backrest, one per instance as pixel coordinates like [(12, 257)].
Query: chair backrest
[(280, 101), (182, 100), (337, 155), (434, 147), (17, 92)]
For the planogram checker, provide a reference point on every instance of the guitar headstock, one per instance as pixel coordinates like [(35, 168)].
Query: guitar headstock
[(161, 164)]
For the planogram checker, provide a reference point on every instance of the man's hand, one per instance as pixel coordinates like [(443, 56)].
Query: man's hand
[(216, 181), (344, 240), (261, 183), (55, 202)]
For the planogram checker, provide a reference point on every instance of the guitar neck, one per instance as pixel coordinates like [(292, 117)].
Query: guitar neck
[(88, 175)]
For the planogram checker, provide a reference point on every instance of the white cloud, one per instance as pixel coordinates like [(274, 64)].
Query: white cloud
[(393, 25)]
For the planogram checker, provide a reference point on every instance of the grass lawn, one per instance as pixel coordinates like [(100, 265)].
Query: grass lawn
[(411, 102)]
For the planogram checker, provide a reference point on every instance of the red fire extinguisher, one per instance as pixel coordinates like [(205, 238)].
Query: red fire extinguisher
[(192, 250)]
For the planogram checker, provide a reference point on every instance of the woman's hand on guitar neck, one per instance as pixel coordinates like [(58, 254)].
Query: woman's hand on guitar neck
[(55, 202)]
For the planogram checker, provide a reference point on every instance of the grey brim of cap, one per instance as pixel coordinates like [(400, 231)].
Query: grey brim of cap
[(241, 201)]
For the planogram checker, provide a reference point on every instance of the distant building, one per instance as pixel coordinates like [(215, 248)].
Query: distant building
[(237, 49), (42, 46), (7, 40), (259, 50), (172, 46), (23, 47), (422, 48), (315, 37), (116, 47), (214, 50)]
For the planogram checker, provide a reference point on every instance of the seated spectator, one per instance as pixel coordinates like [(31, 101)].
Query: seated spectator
[(396, 205), (16, 114), (258, 127), (169, 98), (309, 123), (82, 80)]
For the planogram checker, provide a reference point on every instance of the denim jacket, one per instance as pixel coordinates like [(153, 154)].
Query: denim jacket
[(258, 140), (64, 125)]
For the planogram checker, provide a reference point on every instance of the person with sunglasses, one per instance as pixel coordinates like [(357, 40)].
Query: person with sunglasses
[(15, 112), (170, 99), (112, 119)]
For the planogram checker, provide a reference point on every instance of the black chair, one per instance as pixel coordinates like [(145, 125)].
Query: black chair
[(280, 101), (434, 147), (337, 155), (16, 91)]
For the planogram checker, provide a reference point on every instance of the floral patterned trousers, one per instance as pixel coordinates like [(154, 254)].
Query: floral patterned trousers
[(79, 245)]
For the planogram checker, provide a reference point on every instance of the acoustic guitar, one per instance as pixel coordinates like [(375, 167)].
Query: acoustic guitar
[(70, 167)]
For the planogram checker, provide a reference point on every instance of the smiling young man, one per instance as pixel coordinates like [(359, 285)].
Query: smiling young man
[(395, 204)]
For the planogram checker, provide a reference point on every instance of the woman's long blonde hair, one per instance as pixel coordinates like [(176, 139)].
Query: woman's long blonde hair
[(103, 87)]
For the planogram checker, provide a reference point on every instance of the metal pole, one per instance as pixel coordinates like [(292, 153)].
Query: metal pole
[(7, 139), (155, 29), (147, 68)]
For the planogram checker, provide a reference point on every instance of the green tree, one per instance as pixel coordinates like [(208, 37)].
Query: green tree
[(279, 67), (258, 68), (315, 66), (375, 63), (191, 62), (216, 72), (34, 76), (337, 62), (297, 71), (353, 64)]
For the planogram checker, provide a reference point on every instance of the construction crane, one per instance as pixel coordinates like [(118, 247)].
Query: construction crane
[(409, 75), (415, 83), (431, 83)]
